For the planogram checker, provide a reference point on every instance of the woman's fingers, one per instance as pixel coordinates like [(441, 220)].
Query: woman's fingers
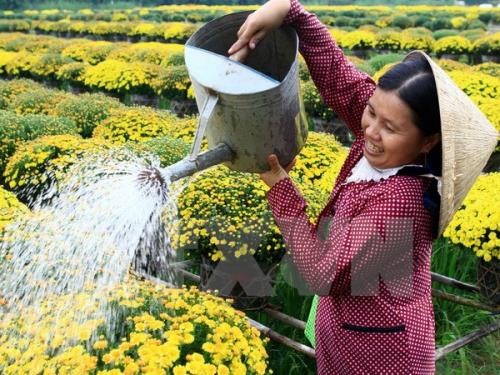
[(274, 163), (247, 31), (256, 39), (240, 55), (242, 29), (239, 44)]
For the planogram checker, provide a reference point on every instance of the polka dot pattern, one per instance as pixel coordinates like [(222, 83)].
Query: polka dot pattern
[(368, 256)]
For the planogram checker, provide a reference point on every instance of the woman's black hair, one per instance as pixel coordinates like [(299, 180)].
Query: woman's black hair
[(414, 83)]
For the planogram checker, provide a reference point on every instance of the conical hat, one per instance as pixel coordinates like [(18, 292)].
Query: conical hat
[(467, 137)]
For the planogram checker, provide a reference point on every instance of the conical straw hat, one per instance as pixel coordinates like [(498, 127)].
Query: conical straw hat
[(467, 137)]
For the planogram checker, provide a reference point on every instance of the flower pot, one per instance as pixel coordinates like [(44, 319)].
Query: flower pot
[(450, 56), (490, 58), (488, 279), (144, 100), (182, 108), (361, 53), (232, 279)]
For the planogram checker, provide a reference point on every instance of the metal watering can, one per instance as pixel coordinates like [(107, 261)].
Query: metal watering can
[(247, 111)]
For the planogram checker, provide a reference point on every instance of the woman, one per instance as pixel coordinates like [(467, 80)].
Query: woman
[(368, 257)]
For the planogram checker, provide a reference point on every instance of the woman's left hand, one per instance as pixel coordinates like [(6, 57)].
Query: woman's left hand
[(277, 172)]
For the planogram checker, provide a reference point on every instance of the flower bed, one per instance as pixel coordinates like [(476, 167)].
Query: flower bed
[(475, 225), (10, 210), (156, 330)]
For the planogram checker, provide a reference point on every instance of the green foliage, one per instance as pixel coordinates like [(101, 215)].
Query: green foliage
[(175, 59), (38, 165), (10, 210), (15, 128), (41, 101), (452, 45), (9, 90), (379, 61), (454, 321), (402, 22), (86, 110), (136, 125), (438, 34), (175, 82), (48, 65), (313, 102), (169, 150), (71, 72), (473, 34), (476, 24)]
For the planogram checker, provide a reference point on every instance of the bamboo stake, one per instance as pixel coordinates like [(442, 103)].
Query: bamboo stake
[(287, 319), (453, 282), (464, 301), (273, 335), (190, 276), (145, 276), (471, 337)]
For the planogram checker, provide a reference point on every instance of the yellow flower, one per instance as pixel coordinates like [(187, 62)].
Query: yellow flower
[(179, 370), (101, 344)]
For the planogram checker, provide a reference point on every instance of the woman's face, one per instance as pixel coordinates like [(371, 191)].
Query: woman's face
[(391, 137)]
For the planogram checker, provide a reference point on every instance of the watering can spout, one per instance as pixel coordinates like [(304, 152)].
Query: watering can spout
[(160, 178), (189, 165)]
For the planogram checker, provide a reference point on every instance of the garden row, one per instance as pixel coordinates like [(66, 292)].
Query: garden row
[(434, 18), (443, 41), (152, 68), (41, 137), (158, 69)]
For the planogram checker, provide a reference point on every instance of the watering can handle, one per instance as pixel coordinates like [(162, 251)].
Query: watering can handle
[(206, 113)]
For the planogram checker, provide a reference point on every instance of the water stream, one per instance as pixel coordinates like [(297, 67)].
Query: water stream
[(86, 239)]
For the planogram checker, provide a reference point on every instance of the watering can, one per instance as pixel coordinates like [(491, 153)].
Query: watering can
[(247, 111)]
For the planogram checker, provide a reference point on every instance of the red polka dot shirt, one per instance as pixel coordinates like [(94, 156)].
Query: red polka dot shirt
[(368, 256)]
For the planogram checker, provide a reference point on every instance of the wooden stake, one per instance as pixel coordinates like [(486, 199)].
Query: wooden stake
[(465, 301), (474, 336), (453, 282), (275, 336), (287, 319)]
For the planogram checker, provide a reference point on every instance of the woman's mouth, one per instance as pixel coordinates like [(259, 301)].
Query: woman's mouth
[(372, 149)]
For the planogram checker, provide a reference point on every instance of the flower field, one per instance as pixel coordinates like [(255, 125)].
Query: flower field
[(66, 83)]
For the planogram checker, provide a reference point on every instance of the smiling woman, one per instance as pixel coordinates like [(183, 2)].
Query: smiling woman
[(401, 122), (420, 144)]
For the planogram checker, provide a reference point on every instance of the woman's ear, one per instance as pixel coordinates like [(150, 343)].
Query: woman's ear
[(430, 142)]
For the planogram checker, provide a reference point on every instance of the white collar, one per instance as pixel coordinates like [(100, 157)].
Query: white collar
[(364, 171)]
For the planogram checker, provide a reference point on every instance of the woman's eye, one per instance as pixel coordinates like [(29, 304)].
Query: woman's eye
[(391, 130)]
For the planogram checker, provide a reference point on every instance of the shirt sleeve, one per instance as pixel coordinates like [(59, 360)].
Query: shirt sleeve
[(340, 256), (344, 88)]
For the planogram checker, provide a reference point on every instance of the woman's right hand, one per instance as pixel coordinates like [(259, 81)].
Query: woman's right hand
[(267, 18)]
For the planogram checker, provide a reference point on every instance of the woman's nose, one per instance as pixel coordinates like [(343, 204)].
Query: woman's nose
[(372, 131)]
